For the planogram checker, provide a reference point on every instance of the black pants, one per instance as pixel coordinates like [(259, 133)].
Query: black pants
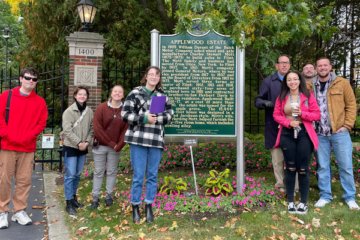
[(297, 154)]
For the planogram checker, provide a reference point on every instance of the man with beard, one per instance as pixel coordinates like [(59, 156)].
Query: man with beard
[(308, 71), (338, 112), (268, 93)]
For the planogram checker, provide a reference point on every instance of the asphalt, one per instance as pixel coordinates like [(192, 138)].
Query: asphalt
[(36, 197)]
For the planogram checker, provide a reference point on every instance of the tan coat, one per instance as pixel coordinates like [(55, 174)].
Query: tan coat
[(83, 132), (341, 102)]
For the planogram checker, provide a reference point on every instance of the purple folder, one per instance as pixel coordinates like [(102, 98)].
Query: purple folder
[(157, 104)]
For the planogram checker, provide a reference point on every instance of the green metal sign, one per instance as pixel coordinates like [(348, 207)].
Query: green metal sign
[(199, 76)]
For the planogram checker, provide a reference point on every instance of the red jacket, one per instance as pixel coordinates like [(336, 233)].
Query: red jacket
[(27, 119), (308, 114)]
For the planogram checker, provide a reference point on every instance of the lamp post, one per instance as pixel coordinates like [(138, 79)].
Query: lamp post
[(87, 10), (6, 36)]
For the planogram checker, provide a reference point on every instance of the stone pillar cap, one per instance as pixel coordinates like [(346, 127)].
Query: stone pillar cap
[(86, 37)]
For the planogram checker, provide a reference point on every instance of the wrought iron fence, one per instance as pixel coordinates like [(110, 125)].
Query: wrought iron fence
[(116, 72), (51, 87)]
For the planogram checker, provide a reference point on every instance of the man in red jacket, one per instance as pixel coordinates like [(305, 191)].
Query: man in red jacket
[(27, 119)]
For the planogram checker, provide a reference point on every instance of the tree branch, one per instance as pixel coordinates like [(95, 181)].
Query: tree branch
[(163, 13)]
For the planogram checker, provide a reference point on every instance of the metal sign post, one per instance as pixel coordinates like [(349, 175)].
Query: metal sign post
[(192, 142)]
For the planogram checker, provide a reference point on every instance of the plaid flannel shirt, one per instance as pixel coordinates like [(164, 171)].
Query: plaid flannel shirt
[(136, 106)]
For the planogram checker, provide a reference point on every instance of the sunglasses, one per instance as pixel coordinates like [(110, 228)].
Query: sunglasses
[(30, 78)]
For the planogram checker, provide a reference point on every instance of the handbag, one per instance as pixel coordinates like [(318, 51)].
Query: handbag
[(62, 134), (7, 110)]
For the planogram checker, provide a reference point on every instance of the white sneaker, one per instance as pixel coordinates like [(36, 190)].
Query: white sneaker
[(22, 218), (301, 208), (4, 220), (291, 208), (353, 205), (321, 203)]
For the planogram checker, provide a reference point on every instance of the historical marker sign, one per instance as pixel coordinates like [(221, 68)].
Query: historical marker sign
[(200, 77)]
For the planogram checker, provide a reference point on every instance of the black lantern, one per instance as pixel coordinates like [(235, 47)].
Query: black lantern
[(87, 10)]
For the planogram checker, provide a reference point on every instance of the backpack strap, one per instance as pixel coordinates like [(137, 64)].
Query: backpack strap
[(8, 107)]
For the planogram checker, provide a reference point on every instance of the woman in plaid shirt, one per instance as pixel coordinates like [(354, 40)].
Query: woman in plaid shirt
[(145, 136)]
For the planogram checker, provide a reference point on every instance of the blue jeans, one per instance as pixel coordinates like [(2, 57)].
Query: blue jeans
[(144, 159), (74, 166), (342, 147)]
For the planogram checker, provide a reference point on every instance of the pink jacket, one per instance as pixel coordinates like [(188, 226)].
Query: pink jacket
[(309, 113)]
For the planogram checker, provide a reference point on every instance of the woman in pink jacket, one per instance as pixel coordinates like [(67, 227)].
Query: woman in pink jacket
[(295, 110)]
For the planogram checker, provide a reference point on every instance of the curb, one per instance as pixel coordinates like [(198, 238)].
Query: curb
[(57, 230)]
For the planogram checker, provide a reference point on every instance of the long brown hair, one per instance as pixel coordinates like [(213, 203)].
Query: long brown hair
[(158, 71), (285, 90)]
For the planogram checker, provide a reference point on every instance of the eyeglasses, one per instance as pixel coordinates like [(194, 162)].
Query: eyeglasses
[(30, 78), (293, 80), (153, 75), (82, 94), (308, 68), (284, 63)]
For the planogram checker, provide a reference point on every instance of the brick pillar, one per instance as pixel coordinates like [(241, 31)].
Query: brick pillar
[(86, 54)]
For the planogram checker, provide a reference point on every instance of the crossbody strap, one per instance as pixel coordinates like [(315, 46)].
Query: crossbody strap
[(8, 107), (81, 118)]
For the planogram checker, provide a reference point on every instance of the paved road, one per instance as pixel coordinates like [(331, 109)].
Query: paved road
[(30, 232)]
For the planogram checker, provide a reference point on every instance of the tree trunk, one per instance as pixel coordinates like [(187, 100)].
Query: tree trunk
[(174, 8), (163, 13)]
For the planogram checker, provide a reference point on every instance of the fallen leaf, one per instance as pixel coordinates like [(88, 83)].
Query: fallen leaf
[(331, 224), (163, 229), (316, 222), (294, 236), (340, 203), (204, 218), (337, 231), (218, 237), (276, 218), (37, 207), (54, 221), (30, 215), (36, 223), (40, 191), (273, 227), (302, 237)]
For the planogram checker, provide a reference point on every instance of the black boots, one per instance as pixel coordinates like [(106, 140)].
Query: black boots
[(69, 207), (76, 203), (108, 202), (136, 214), (95, 204), (149, 213)]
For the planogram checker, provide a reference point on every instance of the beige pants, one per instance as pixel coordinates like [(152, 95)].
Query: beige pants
[(279, 170), (21, 165)]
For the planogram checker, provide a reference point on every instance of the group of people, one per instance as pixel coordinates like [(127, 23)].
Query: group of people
[(114, 124), (311, 111), (304, 113)]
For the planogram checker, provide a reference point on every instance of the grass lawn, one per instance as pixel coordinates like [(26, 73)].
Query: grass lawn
[(269, 221)]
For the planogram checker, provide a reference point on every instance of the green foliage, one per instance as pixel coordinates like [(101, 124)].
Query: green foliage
[(125, 24), (217, 183), (16, 34), (257, 137), (173, 186), (264, 25)]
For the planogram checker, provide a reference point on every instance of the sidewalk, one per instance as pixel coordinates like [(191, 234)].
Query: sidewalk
[(57, 230), (36, 197)]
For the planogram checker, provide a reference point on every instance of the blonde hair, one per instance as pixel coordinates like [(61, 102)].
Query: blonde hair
[(111, 90)]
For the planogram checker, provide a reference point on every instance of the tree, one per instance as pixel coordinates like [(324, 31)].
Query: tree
[(263, 27), (125, 24), (16, 35)]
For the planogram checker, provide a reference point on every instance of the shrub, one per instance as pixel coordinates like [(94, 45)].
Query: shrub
[(173, 186), (217, 183)]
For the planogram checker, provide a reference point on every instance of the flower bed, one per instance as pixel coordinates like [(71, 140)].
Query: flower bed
[(218, 156)]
